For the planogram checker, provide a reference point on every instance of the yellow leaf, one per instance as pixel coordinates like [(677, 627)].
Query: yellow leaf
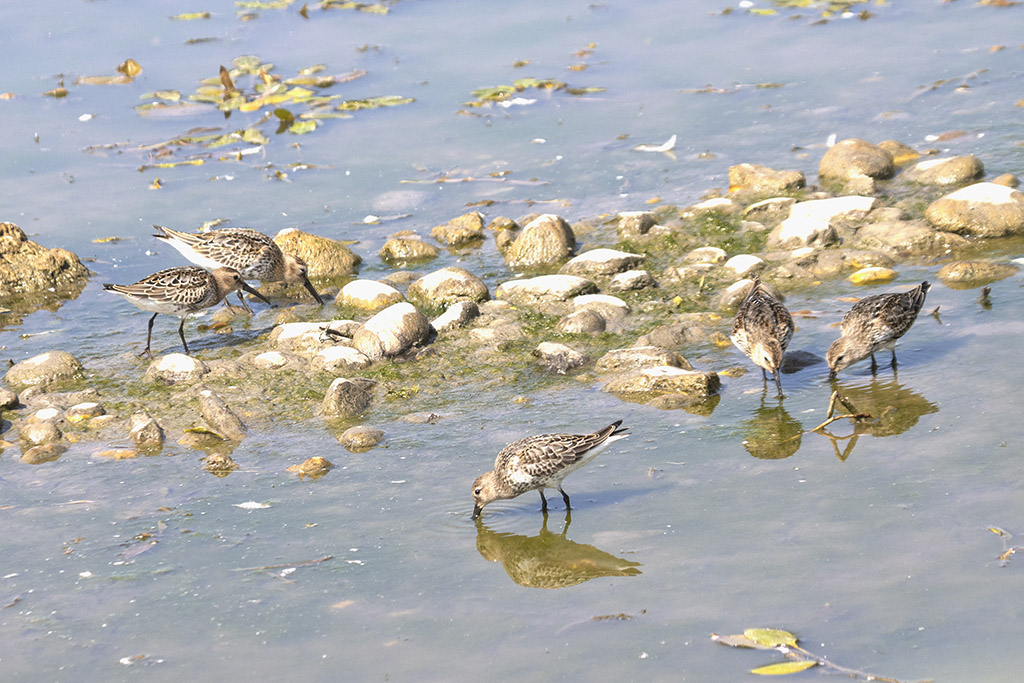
[(770, 637), (783, 668), (189, 16), (130, 68), (156, 184)]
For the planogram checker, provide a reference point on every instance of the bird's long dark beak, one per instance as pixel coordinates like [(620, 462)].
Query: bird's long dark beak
[(477, 509), (309, 287), (831, 375), (247, 288)]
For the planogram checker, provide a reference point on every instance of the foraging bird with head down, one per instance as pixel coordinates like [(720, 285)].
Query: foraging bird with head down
[(875, 323), (762, 331), (539, 462), (255, 255)]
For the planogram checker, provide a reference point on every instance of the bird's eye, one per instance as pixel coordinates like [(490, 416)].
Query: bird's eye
[(476, 492)]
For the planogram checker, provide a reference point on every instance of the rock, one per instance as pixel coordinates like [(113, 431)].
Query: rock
[(219, 417), (394, 330), (345, 398), (270, 360), (457, 315), (1007, 179), (763, 180), (39, 432), (44, 452), (631, 280), (608, 306), (503, 224), (145, 432), (809, 222), (308, 338), (219, 464), (904, 236), (584, 321), (636, 223), (671, 336), (901, 153), (719, 204), (968, 274), (601, 262), (558, 358), (545, 241), (732, 296), (176, 368), (45, 414), (794, 361), (983, 209), (117, 453), (314, 467), (499, 331), (872, 275), (744, 265), (446, 286), (8, 399), (544, 288), (29, 267), (361, 438), (946, 171), (715, 255), (422, 418), (84, 411), (640, 357), (466, 228), (407, 249), (339, 359), (368, 295), (853, 159), (773, 209), (665, 379), (44, 369), (323, 256)]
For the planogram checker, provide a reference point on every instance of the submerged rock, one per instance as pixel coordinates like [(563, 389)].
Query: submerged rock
[(323, 256), (640, 357), (145, 432), (406, 249), (665, 379), (968, 274), (29, 267), (35, 433), (314, 467), (559, 358), (361, 438), (394, 330), (44, 369), (545, 241), (982, 209), (44, 452), (345, 398)]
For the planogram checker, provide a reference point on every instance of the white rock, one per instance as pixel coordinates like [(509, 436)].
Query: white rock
[(544, 288), (457, 315), (339, 358), (807, 220), (270, 360), (392, 331), (368, 295), (707, 255), (601, 262), (176, 367), (601, 302), (745, 264)]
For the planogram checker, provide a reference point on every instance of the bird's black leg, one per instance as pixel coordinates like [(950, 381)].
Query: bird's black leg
[(245, 305), (778, 383), (874, 365), (894, 359), (565, 497), (543, 501), (181, 333), (764, 378), (149, 336)]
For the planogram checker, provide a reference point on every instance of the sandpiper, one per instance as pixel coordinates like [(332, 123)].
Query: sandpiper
[(540, 462), (180, 291), (253, 254), (875, 323), (762, 331)]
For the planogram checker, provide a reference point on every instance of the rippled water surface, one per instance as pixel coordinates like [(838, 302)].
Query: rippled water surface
[(874, 549)]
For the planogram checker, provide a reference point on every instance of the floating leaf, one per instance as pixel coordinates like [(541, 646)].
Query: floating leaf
[(129, 68), (190, 16), (172, 164), (284, 115), (157, 184), (735, 640), (302, 127), (56, 92), (374, 102), (584, 91), (106, 240), (783, 668), (770, 637)]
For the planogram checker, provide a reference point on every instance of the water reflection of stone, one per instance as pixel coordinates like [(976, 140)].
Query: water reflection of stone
[(549, 560), (16, 308), (895, 406), (772, 433)]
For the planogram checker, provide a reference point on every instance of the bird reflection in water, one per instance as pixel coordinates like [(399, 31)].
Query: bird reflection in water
[(895, 409), (549, 560), (772, 433)]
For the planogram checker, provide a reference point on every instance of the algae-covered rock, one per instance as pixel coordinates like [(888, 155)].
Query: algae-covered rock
[(29, 267), (405, 249), (219, 416), (447, 286), (631, 280), (323, 256), (968, 274), (547, 240), (982, 209), (907, 237), (394, 330), (465, 229), (636, 357), (708, 254), (665, 379), (44, 369), (345, 398), (544, 288), (757, 179), (583, 321), (176, 368), (455, 316), (145, 431), (636, 223), (946, 171), (601, 262), (558, 358)]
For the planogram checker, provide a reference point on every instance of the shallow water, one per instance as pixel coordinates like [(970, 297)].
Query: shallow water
[(874, 551)]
